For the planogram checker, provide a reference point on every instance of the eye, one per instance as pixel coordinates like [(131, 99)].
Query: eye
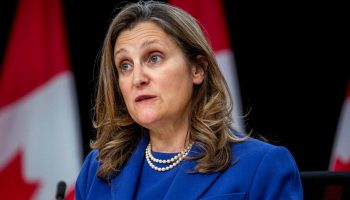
[(154, 58), (125, 66)]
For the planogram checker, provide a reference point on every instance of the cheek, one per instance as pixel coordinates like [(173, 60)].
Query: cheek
[(124, 90), (179, 87)]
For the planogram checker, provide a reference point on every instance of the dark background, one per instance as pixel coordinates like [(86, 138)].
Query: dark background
[(290, 57)]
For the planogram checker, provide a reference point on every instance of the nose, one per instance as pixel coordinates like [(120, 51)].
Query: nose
[(140, 77)]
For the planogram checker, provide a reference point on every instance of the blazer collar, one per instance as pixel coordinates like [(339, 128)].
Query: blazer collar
[(186, 184)]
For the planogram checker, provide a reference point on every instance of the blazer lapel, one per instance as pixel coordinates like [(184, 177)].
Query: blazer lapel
[(187, 185), (124, 184)]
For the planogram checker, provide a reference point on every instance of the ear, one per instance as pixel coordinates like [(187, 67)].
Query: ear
[(198, 69)]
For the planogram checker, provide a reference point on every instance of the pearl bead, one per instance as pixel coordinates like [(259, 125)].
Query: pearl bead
[(174, 160)]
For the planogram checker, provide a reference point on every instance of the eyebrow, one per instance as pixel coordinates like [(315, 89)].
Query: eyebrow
[(143, 45), (120, 51)]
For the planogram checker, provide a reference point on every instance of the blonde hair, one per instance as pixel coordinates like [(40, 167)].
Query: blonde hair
[(210, 120)]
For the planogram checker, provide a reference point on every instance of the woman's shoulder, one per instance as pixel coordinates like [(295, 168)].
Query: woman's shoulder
[(251, 143), (263, 167), (254, 150), (87, 175), (91, 158), (89, 167)]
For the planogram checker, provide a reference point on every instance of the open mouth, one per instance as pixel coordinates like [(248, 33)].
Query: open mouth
[(144, 98)]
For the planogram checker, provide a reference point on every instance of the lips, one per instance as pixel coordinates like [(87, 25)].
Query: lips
[(142, 98)]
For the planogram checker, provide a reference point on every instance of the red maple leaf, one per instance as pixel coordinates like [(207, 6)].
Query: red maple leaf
[(342, 165), (12, 182)]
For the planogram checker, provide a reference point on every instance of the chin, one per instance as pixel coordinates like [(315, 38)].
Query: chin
[(146, 121)]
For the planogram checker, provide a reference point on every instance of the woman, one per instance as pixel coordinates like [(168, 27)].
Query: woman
[(163, 116)]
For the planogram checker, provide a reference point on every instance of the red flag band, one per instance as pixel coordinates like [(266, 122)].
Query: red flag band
[(39, 132)]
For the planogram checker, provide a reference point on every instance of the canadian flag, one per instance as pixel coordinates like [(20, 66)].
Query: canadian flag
[(340, 159), (39, 123), (210, 14)]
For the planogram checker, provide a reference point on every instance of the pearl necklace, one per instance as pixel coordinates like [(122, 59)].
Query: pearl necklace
[(174, 161)]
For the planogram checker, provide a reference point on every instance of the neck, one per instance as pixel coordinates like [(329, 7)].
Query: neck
[(169, 140), (171, 135)]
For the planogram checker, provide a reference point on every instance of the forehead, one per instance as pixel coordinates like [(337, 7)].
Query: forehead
[(141, 32)]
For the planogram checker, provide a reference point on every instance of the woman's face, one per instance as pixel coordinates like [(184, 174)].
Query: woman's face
[(155, 79)]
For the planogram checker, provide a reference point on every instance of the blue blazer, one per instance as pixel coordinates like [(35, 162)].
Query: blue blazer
[(261, 171)]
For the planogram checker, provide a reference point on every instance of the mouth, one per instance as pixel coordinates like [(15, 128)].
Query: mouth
[(142, 98)]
